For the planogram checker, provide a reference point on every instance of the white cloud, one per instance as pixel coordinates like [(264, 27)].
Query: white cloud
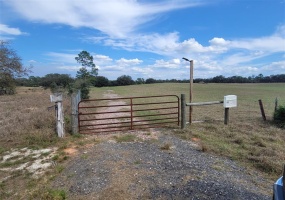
[(171, 64), (116, 18), (128, 62), (6, 30)]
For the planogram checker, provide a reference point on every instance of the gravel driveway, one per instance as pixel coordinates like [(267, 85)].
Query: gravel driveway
[(159, 167)]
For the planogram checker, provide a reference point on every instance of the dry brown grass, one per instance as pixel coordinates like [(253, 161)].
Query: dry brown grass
[(26, 122), (25, 119)]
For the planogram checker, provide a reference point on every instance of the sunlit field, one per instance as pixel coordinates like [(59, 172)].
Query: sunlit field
[(26, 120), (247, 138)]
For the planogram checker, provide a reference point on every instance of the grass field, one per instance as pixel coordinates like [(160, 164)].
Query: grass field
[(26, 122), (247, 138)]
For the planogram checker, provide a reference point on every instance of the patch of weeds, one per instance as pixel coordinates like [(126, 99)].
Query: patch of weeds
[(81, 143), (41, 140), (84, 156), (63, 146), (137, 162), (2, 185), (34, 147), (65, 157), (77, 135), (2, 150), (56, 194), (55, 157), (125, 138), (45, 154), (59, 168), (166, 146)]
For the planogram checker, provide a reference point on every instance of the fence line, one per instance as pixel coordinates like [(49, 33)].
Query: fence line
[(246, 110)]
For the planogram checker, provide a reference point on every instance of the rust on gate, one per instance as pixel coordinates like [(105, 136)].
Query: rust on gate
[(127, 113)]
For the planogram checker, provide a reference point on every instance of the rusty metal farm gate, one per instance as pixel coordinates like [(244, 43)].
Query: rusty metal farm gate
[(130, 113)]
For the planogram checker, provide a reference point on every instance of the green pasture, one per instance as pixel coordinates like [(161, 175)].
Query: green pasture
[(247, 138)]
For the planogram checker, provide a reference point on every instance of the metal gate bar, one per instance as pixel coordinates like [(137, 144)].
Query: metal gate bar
[(92, 122)]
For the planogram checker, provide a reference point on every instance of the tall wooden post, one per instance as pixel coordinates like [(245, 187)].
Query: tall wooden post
[(59, 119), (191, 90), (75, 99), (227, 116), (57, 98)]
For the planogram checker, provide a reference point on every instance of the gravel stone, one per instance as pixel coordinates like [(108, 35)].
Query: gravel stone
[(143, 170)]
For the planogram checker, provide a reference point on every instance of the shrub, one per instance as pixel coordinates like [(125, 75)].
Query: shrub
[(279, 116)]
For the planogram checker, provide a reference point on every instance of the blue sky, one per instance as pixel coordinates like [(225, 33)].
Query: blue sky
[(148, 38)]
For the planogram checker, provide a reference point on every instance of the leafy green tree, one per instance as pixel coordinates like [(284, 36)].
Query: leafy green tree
[(11, 67), (150, 80), (140, 81), (62, 80), (83, 73), (125, 80), (86, 60), (86, 73), (101, 81)]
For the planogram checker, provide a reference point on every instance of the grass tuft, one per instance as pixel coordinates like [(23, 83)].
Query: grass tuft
[(125, 138), (166, 146)]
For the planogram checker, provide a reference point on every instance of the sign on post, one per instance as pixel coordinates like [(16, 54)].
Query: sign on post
[(230, 101), (56, 97)]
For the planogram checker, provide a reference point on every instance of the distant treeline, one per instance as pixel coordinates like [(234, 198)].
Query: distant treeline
[(64, 80)]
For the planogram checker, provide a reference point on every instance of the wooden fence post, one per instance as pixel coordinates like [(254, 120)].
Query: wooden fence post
[(183, 111), (262, 109), (227, 116), (57, 98), (60, 119), (75, 99)]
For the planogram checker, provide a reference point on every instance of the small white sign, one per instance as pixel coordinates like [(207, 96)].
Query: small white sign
[(230, 101), (56, 97)]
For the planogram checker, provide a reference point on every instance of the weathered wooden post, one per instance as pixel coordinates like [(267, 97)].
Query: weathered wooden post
[(183, 111), (262, 109), (75, 99), (57, 98)]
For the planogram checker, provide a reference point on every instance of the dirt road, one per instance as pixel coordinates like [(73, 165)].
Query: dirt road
[(159, 167)]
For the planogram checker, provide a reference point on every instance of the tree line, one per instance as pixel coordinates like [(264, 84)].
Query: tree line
[(64, 80)]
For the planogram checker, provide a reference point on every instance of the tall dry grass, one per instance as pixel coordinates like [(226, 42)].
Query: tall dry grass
[(26, 120)]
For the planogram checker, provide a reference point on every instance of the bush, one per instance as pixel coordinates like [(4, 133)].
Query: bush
[(101, 81), (279, 116)]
